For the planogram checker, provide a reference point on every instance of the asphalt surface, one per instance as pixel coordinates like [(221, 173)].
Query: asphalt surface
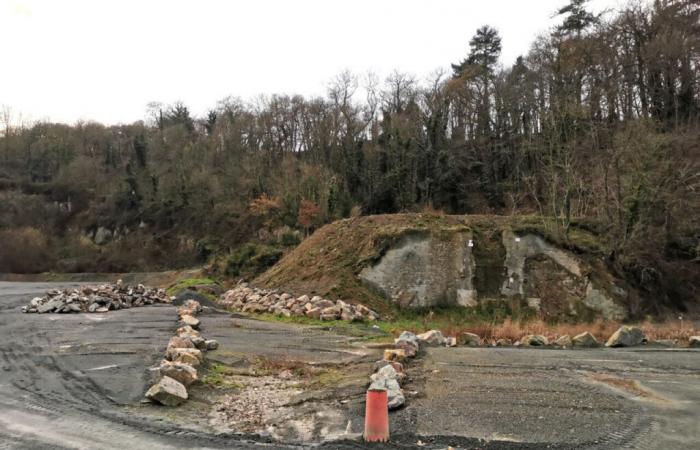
[(638, 398), (77, 381)]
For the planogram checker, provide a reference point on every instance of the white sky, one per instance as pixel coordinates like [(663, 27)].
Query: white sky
[(104, 60)]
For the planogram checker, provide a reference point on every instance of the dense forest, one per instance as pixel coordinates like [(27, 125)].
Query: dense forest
[(598, 125)]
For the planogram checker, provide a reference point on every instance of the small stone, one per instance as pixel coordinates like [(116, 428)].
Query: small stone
[(451, 341), (168, 392), (187, 330), (190, 321), (211, 344), (504, 342)]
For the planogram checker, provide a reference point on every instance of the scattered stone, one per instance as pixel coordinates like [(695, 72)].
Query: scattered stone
[(190, 321), (95, 299), (504, 342), (564, 341), (451, 341), (626, 336), (211, 344), (432, 337), (470, 339), (168, 392), (534, 340), (190, 356), (183, 373), (586, 340)]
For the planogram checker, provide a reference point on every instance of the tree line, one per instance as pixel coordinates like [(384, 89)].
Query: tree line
[(599, 123)]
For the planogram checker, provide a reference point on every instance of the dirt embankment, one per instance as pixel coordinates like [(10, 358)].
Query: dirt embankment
[(419, 260)]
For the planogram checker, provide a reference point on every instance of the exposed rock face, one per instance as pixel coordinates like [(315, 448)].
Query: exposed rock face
[(626, 336), (168, 392), (425, 270), (456, 268)]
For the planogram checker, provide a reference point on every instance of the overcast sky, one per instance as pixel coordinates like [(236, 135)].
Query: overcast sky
[(105, 60)]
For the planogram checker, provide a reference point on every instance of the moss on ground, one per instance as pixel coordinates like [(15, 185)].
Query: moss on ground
[(181, 285), (219, 375)]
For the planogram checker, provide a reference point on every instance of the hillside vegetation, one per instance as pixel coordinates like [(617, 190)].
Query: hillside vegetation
[(596, 130)]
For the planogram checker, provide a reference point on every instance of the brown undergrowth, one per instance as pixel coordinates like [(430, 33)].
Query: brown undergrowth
[(508, 329)]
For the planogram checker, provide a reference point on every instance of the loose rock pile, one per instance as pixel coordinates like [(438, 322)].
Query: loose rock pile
[(184, 354), (247, 299), (96, 299)]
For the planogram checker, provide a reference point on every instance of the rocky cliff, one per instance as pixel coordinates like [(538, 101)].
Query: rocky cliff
[(414, 260)]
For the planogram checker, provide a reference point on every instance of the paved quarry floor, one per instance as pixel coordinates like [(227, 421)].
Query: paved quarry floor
[(76, 381)]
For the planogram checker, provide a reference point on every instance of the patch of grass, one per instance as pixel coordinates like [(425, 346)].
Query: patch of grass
[(219, 375), (188, 283)]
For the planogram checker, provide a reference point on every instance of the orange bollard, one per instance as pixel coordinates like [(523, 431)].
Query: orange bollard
[(376, 416)]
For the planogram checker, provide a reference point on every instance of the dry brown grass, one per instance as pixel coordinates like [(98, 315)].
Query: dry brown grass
[(601, 329)]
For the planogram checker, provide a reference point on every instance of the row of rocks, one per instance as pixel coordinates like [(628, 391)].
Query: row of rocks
[(184, 354), (96, 299), (625, 336), (248, 299)]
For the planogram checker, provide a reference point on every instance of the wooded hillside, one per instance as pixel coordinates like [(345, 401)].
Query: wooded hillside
[(598, 125)]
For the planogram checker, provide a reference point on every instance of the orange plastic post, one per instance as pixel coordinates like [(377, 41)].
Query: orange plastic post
[(376, 416)]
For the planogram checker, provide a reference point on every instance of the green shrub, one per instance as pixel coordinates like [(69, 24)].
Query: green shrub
[(290, 239), (251, 259)]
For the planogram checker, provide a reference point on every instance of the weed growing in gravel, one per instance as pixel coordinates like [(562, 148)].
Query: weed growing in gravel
[(218, 376)]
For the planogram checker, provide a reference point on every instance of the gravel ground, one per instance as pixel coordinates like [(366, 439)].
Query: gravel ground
[(76, 381)]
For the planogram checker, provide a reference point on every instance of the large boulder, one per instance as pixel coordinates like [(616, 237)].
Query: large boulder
[(168, 392), (586, 340), (408, 336), (180, 342), (626, 336), (534, 340), (183, 373), (190, 356), (432, 337), (470, 339)]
